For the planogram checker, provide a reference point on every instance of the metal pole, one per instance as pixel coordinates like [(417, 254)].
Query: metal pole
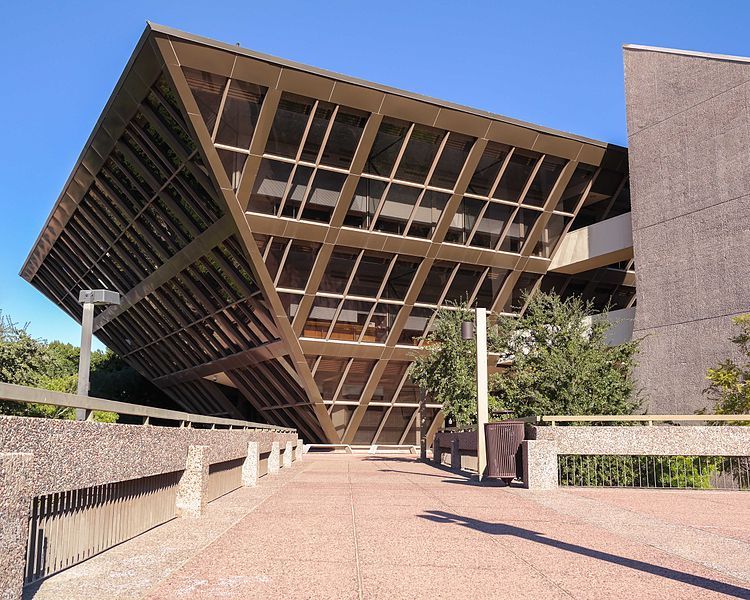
[(84, 363), (482, 394)]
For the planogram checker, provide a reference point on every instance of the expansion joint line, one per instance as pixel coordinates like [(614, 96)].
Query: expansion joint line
[(354, 530)]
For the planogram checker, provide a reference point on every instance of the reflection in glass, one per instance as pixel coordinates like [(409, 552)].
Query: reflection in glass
[(320, 318), (381, 323), (427, 214), (395, 424), (290, 303), (298, 265), (464, 283), (451, 160), (491, 226), (269, 186), (289, 125), (233, 163), (356, 379), (490, 287), (240, 114), (420, 153), (368, 427), (328, 374), (544, 181), (400, 277), (519, 230), (365, 203), (464, 220), (488, 168), (323, 196), (521, 290), (575, 188), (517, 173), (435, 283), (551, 234), (398, 205), (386, 147), (389, 382), (351, 320), (415, 325), (370, 274), (339, 269), (344, 138)]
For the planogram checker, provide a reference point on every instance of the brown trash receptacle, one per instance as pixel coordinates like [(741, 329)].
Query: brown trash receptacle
[(504, 449)]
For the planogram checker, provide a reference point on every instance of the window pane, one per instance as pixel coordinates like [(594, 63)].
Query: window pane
[(517, 173), (356, 379), (338, 271), (415, 325), (492, 225), (317, 131), (388, 384), (490, 287), (344, 137), (365, 203), (575, 188), (397, 208), (428, 214), (207, 90), (328, 374), (523, 286), (320, 318), (544, 181), (275, 256), (463, 221), (387, 144), (290, 303), (240, 114), (289, 125), (551, 235), (451, 160), (370, 274), (519, 230), (322, 199), (464, 284), (352, 321), (269, 186), (381, 323), (297, 191), (233, 163), (488, 168), (298, 265), (435, 283), (400, 278), (420, 153)]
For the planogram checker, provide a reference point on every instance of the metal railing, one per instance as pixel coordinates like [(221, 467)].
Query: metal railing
[(224, 477), (28, 395), (646, 419), (661, 472)]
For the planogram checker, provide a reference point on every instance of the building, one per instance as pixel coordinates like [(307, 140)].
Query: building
[(281, 235)]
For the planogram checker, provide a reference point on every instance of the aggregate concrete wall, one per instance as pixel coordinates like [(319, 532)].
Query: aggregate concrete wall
[(689, 134), (73, 454)]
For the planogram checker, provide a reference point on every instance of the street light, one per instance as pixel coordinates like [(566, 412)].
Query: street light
[(467, 333), (89, 299)]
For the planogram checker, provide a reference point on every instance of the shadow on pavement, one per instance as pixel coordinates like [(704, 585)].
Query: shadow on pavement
[(440, 516)]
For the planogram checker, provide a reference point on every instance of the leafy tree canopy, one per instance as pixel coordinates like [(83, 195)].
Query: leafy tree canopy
[(729, 382)]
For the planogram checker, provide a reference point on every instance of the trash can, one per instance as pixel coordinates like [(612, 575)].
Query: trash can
[(503, 441)]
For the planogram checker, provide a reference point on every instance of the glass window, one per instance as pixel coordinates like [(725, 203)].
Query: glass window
[(524, 286), (365, 203), (370, 274), (269, 186), (398, 205), (298, 265), (296, 193), (323, 196), (381, 323), (400, 278), (464, 283), (233, 163), (491, 226), (517, 173), (544, 181), (420, 153), (275, 256), (207, 90), (519, 230), (464, 219), (575, 188), (356, 379), (490, 287), (344, 138), (415, 325), (389, 384), (369, 425), (427, 214), (488, 168), (317, 131), (435, 283), (321, 316), (338, 271), (621, 205), (551, 234), (328, 374), (351, 321), (240, 114), (386, 147), (289, 125), (290, 303), (451, 160)]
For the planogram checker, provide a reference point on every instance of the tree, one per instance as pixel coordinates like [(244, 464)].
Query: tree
[(729, 387)]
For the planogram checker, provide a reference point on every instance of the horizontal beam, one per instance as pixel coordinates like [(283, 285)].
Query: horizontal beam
[(649, 419), (29, 395)]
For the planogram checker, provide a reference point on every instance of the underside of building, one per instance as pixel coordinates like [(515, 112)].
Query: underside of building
[(281, 236)]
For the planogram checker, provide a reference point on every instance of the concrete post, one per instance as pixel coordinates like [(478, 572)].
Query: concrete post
[(192, 491), (273, 459), (482, 393), (539, 464), (437, 454), (15, 482), (455, 455), (250, 466), (299, 451), (288, 455)]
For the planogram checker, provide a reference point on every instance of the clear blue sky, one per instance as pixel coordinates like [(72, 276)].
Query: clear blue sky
[(553, 63)]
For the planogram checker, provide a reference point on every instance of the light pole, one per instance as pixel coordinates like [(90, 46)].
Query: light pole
[(89, 299), (480, 320)]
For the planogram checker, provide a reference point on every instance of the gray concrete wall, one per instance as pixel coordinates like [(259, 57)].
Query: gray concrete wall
[(689, 134)]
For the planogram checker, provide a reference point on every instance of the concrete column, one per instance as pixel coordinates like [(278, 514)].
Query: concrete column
[(299, 451), (455, 455), (192, 491), (273, 459), (288, 455), (15, 483), (539, 464), (482, 390), (250, 466), (437, 455)]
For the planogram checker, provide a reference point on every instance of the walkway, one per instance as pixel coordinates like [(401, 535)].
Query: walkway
[(357, 527)]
